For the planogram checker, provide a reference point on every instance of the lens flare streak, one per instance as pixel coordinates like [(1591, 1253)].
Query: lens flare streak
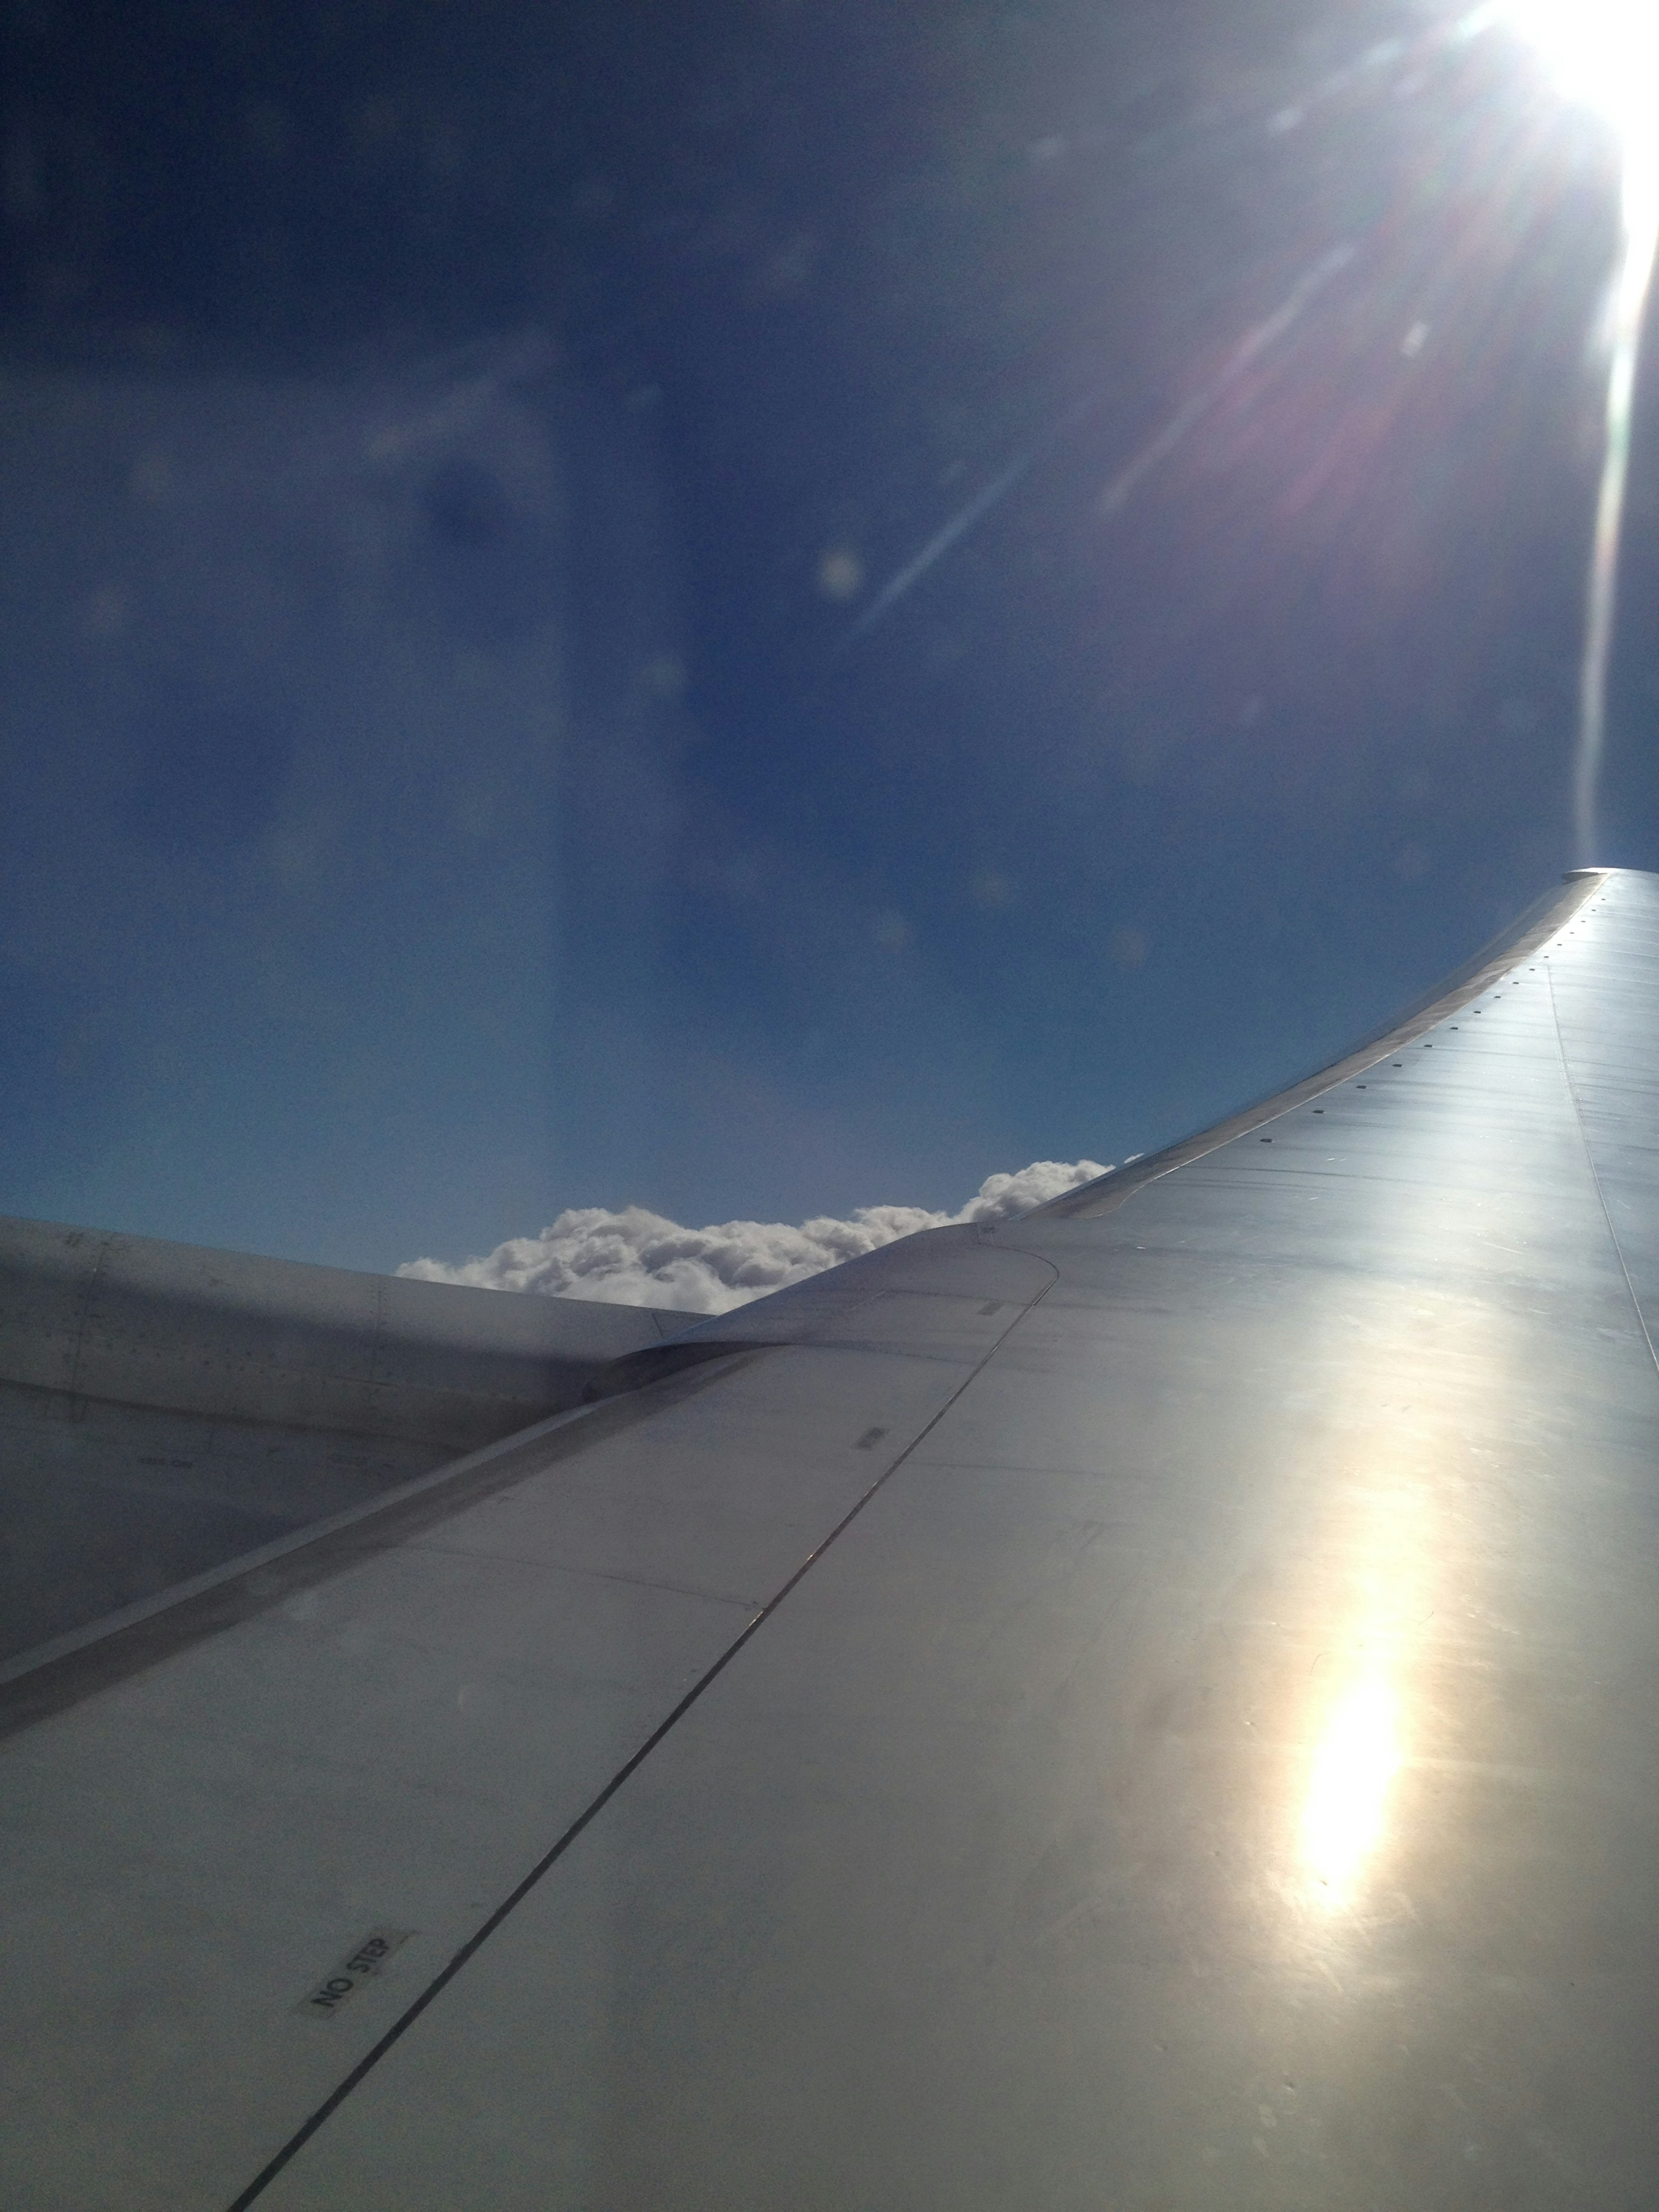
[(1250, 347), (1604, 55), (1630, 289), (1255, 341)]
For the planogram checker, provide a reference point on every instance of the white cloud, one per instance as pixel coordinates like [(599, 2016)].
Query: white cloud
[(638, 1259)]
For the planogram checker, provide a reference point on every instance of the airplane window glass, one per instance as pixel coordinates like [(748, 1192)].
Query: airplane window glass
[(766, 1439), (752, 612)]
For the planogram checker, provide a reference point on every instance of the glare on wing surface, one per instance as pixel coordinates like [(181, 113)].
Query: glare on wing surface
[(1355, 1762)]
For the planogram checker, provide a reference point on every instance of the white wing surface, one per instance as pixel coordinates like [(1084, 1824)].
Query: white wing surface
[(1151, 1706)]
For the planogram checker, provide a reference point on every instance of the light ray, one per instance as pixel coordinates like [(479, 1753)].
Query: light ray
[(1253, 343), (1632, 286), (988, 496), (937, 546), (1604, 55)]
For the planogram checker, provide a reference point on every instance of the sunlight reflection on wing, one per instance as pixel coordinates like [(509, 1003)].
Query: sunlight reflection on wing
[(1355, 1760)]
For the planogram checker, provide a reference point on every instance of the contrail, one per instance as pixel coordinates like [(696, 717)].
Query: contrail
[(1630, 296), (1250, 347)]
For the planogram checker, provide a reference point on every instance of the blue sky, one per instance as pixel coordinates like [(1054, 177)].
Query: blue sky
[(442, 783)]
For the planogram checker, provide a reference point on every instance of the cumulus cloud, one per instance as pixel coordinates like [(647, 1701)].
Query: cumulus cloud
[(634, 1258)]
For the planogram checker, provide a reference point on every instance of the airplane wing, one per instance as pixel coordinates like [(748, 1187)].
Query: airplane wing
[(165, 1409), (1147, 1706)]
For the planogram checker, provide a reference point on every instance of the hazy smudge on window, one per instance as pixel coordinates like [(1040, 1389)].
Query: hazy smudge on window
[(209, 776), (492, 568)]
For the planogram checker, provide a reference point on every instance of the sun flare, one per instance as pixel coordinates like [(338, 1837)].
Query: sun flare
[(1604, 53)]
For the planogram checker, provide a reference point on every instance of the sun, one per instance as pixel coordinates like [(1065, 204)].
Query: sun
[(1604, 53)]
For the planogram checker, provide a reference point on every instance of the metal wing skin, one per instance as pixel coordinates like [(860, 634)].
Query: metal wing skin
[(165, 1409), (1151, 1706)]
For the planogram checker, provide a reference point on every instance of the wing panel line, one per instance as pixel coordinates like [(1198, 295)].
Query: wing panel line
[(475, 1942), (1595, 1173)]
